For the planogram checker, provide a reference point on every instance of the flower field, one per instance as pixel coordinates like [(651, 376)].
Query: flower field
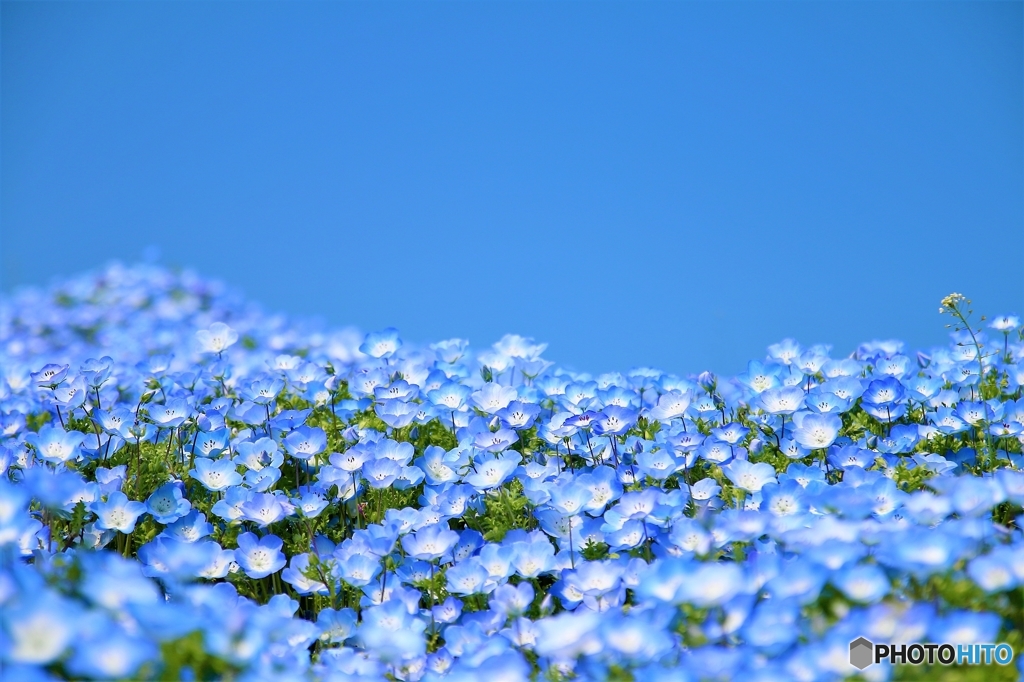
[(192, 489)]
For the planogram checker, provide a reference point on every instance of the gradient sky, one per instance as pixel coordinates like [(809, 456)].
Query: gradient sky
[(667, 184)]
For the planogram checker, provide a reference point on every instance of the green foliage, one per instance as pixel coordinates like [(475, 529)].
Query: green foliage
[(908, 479), (506, 508), (434, 433), (187, 654), (594, 551), (380, 500), (37, 420)]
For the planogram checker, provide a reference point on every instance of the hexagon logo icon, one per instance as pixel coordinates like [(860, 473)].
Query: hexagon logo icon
[(862, 653)]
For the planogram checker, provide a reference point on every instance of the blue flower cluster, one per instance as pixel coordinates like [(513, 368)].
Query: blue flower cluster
[(190, 488)]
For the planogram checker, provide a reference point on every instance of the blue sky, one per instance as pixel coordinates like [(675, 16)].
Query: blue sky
[(667, 184)]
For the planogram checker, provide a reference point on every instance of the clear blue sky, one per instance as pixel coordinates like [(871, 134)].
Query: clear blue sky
[(667, 184)]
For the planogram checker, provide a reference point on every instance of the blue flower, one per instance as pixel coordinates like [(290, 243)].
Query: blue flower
[(108, 653), (785, 400), (118, 513), (56, 445), (494, 471), (381, 473), (218, 338), (865, 583), (431, 542), (263, 509), (166, 504), (614, 421), (749, 476), (816, 431), (215, 474), (381, 344), (467, 577), (189, 528), (259, 557), (40, 630), (306, 441)]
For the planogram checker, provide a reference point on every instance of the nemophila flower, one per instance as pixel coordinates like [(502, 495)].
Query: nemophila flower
[(393, 450), (336, 625), (431, 542), (946, 421), (784, 401), (614, 420), (311, 504), (381, 344), (381, 473), (790, 448), (749, 476), (306, 441), (220, 561), (263, 509), (397, 413), (364, 382), (118, 513), (1004, 323), (690, 536), (449, 395), (497, 441), (352, 459), (230, 507), (974, 497), (800, 581), (399, 389), (213, 442), (56, 445), (815, 431), (784, 351), (999, 571), (492, 472), (450, 350), (297, 573), (467, 577), (306, 374), (883, 399), (113, 582), (519, 415), (218, 338), (70, 394), (189, 528), (865, 583), (492, 397), (758, 570), (964, 627), (716, 451), (167, 504), (171, 414), (847, 387), (359, 570), (165, 557), (783, 499), (922, 388), (215, 474), (263, 390), (705, 492), (671, 405), (258, 454), (38, 631), (530, 559), (259, 557), (109, 652), (50, 375)]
